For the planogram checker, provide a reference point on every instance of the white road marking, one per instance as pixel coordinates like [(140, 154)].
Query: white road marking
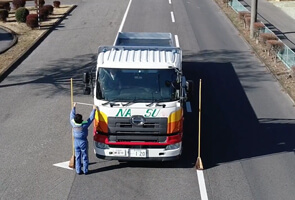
[(64, 165), (202, 185), (169, 1), (176, 40), (124, 18), (188, 107), (172, 17)]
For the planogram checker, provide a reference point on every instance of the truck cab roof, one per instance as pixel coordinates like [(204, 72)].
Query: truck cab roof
[(139, 57)]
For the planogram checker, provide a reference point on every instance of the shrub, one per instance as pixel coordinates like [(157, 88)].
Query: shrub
[(263, 37), (258, 25), (49, 8), (18, 3), (3, 15), (32, 20), (275, 45), (43, 14), (21, 14), (242, 14), (32, 16), (41, 3), (56, 4), (247, 21), (5, 5), (247, 15)]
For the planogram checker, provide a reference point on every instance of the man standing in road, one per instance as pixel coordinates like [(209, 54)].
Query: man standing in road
[(80, 133)]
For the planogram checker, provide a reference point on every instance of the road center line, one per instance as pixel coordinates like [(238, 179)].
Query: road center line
[(202, 185), (172, 17), (176, 40), (169, 1), (124, 19)]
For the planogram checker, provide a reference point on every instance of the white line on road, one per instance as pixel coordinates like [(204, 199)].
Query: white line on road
[(172, 17), (124, 18), (202, 185), (176, 41), (169, 1), (188, 107), (64, 165)]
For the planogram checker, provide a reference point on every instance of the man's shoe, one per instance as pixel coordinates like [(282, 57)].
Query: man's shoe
[(79, 173)]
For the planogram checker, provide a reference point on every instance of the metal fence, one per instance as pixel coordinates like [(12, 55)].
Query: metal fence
[(286, 55), (237, 6)]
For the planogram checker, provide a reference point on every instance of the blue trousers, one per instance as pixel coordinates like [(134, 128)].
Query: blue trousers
[(81, 151)]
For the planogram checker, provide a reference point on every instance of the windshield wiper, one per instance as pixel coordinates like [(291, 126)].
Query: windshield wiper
[(150, 104), (112, 103), (163, 105), (130, 102), (157, 104)]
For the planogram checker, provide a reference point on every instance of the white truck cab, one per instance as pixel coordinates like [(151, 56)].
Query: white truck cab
[(139, 90)]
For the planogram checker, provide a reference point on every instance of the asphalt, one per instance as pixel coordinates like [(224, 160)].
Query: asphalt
[(8, 38), (279, 16)]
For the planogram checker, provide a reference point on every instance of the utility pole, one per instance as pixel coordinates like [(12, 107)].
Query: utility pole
[(38, 12), (253, 16)]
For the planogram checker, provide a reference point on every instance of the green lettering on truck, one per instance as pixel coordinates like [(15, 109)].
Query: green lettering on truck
[(124, 113), (151, 112)]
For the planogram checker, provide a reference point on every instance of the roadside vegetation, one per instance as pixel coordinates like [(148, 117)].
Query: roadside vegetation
[(22, 20), (264, 45)]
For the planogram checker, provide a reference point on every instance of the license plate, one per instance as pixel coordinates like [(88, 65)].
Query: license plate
[(139, 153), (119, 152)]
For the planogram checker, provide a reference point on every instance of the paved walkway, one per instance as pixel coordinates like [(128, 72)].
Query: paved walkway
[(7, 39)]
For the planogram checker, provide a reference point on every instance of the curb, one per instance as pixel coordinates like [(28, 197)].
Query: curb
[(24, 55)]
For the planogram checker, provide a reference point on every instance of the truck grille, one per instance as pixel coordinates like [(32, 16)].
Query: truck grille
[(121, 130)]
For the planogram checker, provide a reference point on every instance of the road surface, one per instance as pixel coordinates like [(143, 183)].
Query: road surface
[(247, 120)]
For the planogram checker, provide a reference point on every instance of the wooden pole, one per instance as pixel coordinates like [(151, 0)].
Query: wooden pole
[(72, 160), (199, 164)]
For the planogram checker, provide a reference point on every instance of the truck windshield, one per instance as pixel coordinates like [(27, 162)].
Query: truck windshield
[(137, 85)]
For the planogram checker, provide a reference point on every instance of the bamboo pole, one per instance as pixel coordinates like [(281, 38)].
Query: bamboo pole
[(199, 164), (72, 160)]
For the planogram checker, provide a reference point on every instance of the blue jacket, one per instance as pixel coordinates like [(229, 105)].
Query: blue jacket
[(80, 131)]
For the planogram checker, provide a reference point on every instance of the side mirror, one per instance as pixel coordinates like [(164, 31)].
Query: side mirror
[(190, 89), (86, 81), (183, 82), (173, 84), (86, 77)]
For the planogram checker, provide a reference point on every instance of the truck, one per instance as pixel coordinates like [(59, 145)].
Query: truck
[(140, 91)]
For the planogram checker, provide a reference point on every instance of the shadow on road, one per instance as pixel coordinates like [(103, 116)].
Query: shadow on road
[(57, 75), (230, 129)]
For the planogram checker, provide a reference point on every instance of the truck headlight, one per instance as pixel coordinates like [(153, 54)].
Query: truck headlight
[(101, 145), (173, 146)]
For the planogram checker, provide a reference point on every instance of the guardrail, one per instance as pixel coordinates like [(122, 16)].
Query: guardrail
[(237, 6), (286, 55)]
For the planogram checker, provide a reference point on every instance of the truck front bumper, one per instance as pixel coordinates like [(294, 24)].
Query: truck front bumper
[(152, 154)]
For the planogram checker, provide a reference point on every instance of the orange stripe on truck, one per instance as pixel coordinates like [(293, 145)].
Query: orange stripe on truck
[(101, 122), (175, 122)]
